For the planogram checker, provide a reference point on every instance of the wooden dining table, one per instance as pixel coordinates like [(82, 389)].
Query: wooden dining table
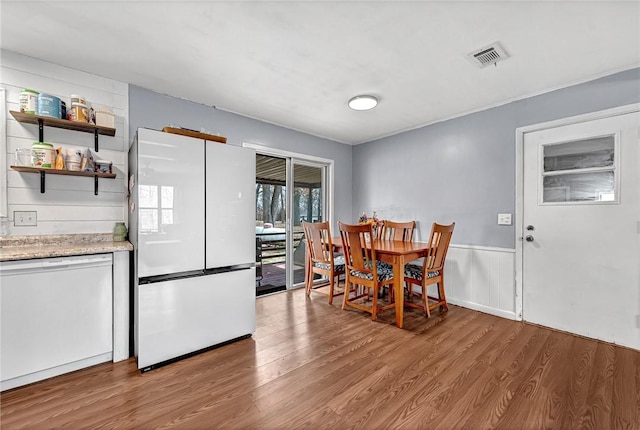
[(397, 253)]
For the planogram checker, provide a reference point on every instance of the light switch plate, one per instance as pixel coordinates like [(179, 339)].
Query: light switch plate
[(504, 219), (25, 218)]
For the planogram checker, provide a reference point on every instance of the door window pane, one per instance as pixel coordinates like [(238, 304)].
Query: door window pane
[(580, 187), (271, 211), (581, 154), (580, 171)]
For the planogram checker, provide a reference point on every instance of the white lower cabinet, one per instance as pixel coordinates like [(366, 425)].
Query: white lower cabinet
[(56, 316)]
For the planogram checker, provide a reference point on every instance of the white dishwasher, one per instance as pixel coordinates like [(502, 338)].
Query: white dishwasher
[(56, 316)]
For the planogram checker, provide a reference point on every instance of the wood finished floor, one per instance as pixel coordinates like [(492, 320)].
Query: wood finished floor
[(312, 365)]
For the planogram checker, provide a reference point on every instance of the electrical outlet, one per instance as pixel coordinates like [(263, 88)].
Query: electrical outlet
[(504, 219), (25, 218)]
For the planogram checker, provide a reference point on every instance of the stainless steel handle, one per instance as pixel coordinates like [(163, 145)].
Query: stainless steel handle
[(528, 238)]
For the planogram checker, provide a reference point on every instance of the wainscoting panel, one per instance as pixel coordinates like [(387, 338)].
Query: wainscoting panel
[(481, 278)]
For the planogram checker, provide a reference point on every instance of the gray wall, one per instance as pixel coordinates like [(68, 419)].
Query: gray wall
[(153, 110), (463, 169)]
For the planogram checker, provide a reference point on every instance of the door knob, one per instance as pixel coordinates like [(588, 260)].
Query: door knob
[(530, 227), (529, 238)]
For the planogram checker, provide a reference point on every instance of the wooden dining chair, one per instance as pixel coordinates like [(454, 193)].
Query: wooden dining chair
[(431, 271), (392, 230), (321, 258), (363, 270)]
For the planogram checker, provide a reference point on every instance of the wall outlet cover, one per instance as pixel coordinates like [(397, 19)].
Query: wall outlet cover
[(504, 219), (25, 218)]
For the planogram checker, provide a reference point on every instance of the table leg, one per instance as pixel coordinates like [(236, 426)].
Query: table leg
[(398, 286)]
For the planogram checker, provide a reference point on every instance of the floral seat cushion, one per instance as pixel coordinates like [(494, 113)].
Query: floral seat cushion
[(385, 272), (414, 271), (338, 264)]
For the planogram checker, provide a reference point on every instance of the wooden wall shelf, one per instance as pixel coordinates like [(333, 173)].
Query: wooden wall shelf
[(43, 172), (42, 121)]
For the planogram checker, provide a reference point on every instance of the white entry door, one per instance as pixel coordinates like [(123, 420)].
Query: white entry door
[(581, 228)]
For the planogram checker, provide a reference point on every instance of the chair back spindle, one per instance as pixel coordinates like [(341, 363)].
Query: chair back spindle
[(392, 230), (438, 246)]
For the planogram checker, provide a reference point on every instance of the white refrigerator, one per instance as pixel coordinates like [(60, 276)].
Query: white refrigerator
[(191, 221)]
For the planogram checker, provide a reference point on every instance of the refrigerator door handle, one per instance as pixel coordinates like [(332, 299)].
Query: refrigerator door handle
[(227, 269), (193, 274), (169, 277)]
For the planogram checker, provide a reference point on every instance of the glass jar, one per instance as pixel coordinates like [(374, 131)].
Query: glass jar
[(120, 232), (42, 154)]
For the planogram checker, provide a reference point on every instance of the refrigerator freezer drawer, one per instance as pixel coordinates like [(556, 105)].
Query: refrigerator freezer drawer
[(182, 316)]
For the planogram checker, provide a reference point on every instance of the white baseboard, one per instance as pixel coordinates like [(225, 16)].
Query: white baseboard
[(481, 308), (54, 371)]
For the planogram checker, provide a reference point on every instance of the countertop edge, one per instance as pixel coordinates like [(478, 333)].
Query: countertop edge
[(13, 253)]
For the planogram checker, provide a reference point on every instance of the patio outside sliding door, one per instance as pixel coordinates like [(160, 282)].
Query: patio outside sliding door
[(279, 214)]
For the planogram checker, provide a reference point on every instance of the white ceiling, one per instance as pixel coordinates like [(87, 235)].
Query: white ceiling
[(296, 63)]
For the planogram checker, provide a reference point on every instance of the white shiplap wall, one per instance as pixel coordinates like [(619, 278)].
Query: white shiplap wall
[(481, 278), (69, 204)]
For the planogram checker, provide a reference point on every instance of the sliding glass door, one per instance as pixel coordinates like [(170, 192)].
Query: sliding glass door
[(280, 248), (308, 205)]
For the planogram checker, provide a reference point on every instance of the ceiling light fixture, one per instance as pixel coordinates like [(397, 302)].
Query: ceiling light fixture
[(363, 102)]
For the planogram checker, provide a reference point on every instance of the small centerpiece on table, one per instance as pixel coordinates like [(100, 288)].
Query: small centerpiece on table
[(376, 224)]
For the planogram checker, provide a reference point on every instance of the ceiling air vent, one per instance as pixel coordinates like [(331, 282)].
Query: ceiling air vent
[(488, 55)]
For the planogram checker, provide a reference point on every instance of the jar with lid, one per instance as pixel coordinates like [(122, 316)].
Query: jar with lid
[(42, 154), (79, 112), (120, 232), (29, 101)]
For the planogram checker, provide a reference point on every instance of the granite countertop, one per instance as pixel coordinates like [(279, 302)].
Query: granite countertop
[(26, 247)]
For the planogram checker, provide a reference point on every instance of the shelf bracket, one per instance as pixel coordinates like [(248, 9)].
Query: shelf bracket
[(40, 131), (42, 175), (95, 185), (95, 138)]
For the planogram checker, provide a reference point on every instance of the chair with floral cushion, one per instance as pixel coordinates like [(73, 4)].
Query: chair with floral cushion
[(392, 230), (321, 258), (363, 270), (431, 271)]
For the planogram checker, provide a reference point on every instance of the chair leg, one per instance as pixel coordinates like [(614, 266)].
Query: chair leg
[(331, 281), (308, 272), (441, 296), (308, 279), (425, 301), (337, 285), (374, 310), (347, 291)]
